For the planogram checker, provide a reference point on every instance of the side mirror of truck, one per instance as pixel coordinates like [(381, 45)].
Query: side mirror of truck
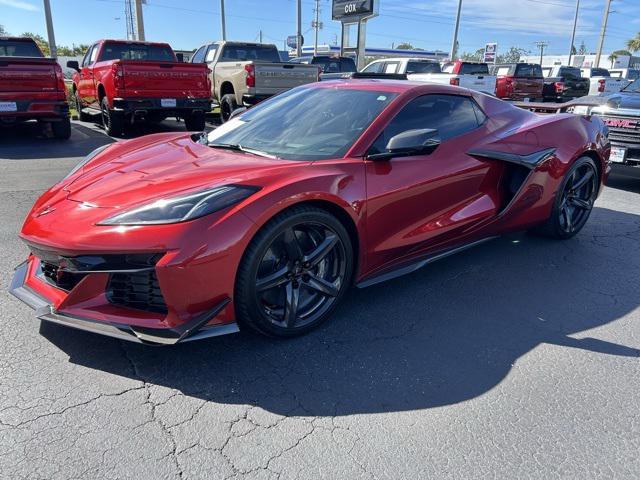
[(73, 64)]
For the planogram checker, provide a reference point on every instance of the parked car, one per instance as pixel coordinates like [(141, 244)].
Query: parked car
[(518, 81), (626, 73), (403, 65), (32, 87), (472, 75), (562, 83), (331, 66), (266, 222), (601, 81), (620, 111), (243, 74), (129, 81)]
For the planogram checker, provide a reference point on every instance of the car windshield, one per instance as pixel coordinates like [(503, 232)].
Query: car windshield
[(19, 48), (304, 123), (633, 87), (140, 52)]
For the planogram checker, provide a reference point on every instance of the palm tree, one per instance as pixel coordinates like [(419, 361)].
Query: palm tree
[(612, 58), (634, 43)]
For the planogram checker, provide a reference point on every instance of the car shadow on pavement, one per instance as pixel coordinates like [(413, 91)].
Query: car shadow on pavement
[(28, 141), (625, 178), (440, 336)]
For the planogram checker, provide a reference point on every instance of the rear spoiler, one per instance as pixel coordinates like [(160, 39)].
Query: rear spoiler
[(364, 75)]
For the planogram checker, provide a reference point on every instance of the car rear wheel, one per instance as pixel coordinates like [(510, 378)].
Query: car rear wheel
[(113, 122), (227, 106), (294, 273), (574, 201)]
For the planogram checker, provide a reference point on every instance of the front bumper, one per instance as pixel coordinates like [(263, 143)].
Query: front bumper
[(195, 329), (141, 106)]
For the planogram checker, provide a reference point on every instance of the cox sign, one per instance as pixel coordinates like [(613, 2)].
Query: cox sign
[(353, 9)]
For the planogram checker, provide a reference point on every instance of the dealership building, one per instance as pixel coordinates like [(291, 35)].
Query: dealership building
[(620, 62)]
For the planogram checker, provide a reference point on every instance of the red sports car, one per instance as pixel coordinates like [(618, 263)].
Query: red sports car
[(269, 219)]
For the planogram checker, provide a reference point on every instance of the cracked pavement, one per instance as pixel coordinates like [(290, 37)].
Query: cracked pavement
[(517, 359)]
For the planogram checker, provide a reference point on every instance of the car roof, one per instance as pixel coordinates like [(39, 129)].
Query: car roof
[(134, 42), (384, 85), (18, 39), (411, 59)]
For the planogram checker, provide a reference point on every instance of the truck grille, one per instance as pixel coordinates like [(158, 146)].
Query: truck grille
[(139, 290), (624, 130)]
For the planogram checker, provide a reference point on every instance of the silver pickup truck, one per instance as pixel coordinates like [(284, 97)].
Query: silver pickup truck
[(243, 74)]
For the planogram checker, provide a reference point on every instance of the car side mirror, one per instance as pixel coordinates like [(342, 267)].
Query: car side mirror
[(73, 64), (421, 141), (237, 111)]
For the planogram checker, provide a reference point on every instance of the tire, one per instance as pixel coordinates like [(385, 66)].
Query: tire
[(62, 129), (113, 122), (83, 117), (294, 273), (227, 106), (572, 206), (194, 122)]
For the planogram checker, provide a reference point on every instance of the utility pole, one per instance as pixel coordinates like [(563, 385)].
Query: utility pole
[(52, 39), (316, 24), (573, 34), (139, 20), (224, 28), (299, 29), (454, 42), (260, 36), (542, 45), (605, 19)]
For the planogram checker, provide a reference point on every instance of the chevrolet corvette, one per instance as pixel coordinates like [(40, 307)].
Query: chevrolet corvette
[(266, 222)]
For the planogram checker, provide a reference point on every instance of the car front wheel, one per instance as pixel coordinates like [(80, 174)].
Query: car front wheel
[(294, 273)]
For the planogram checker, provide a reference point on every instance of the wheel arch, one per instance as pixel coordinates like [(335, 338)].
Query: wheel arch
[(596, 159), (226, 88)]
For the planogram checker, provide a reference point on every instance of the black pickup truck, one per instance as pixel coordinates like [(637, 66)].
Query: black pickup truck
[(562, 83)]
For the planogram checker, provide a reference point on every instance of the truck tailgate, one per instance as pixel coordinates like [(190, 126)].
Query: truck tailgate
[(154, 79), (614, 85), (479, 83), (272, 78), (19, 74)]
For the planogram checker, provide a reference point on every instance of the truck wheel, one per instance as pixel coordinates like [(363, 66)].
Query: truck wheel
[(62, 129), (227, 106), (194, 122), (112, 121), (83, 117)]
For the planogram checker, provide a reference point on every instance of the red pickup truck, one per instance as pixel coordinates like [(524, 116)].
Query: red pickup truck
[(32, 87), (519, 81), (128, 81)]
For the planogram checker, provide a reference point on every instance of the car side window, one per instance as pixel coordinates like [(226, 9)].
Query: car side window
[(198, 57), (450, 115), (94, 54), (391, 67), (85, 59), (375, 67), (211, 53)]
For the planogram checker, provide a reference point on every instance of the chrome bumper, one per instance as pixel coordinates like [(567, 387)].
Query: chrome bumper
[(193, 330)]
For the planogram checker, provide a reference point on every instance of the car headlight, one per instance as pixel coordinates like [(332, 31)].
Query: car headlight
[(184, 207), (87, 159)]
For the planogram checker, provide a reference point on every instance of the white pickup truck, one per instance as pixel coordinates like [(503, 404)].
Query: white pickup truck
[(601, 82), (471, 75), (243, 74)]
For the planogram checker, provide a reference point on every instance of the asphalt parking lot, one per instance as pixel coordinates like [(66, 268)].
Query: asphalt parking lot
[(518, 359)]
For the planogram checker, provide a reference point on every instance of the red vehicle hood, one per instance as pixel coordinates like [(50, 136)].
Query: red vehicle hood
[(139, 171)]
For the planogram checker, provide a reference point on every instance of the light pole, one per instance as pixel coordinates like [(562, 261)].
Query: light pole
[(52, 39), (139, 20), (317, 26), (573, 34), (454, 42), (299, 29), (605, 19), (224, 28)]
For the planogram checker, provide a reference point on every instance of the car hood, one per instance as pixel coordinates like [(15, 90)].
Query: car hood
[(134, 172), (612, 100)]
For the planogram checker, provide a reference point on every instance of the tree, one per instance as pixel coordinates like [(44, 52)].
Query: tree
[(615, 55), (39, 39), (573, 50), (3, 32), (512, 55), (405, 46), (476, 56), (634, 43), (583, 49)]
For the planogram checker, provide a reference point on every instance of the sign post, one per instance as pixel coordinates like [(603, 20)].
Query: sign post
[(490, 53), (354, 13)]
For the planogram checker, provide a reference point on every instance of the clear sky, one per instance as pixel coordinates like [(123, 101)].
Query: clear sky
[(428, 24)]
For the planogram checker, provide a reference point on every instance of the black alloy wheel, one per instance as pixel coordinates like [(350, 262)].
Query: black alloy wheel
[(574, 201), (294, 273)]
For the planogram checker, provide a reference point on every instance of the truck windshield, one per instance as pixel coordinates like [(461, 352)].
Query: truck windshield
[(304, 123), (140, 52), (600, 72), (245, 53), (423, 67), (13, 48)]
